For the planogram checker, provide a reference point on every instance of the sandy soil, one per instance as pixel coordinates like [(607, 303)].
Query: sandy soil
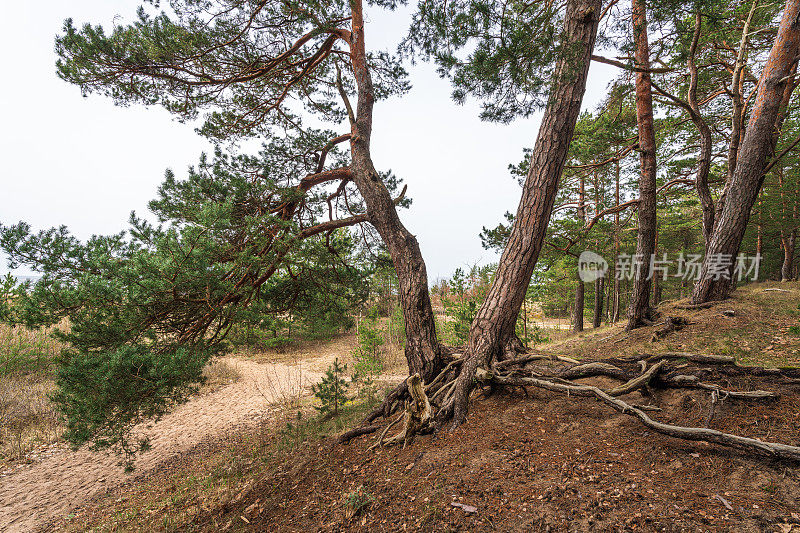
[(59, 479)]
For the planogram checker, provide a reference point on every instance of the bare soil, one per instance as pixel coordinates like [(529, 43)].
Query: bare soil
[(59, 479)]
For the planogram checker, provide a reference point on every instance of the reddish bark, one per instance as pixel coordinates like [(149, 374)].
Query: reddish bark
[(639, 311), (580, 289), (422, 347), (494, 324), (757, 147)]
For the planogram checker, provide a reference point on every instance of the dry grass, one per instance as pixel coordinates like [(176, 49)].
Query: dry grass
[(219, 373), (216, 474), (25, 351), (338, 345), (759, 332), (28, 419), (282, 388)]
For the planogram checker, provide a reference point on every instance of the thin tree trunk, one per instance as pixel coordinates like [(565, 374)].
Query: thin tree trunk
[(578, 306), (639, 311), (737, 118), (656, 297), (422, 347), (706, 145), (598, 301), (580, 289), (757, 147), (788, 240), (494, 322), (599, 282), (615, 312)]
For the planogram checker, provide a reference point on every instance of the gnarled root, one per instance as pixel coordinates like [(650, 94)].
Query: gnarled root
[(435, 405), (746, 444), (417, 417)]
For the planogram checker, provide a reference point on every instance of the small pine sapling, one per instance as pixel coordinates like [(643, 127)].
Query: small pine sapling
[(332, 390)]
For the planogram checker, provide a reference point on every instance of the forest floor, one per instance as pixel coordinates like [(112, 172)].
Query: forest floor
[(526, 460)]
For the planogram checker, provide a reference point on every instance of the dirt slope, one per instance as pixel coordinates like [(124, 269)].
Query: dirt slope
[(530, 460)]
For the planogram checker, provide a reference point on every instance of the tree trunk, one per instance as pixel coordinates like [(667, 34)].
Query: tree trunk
[(639, 311), (577, 309), (494, 322), (580, 290), (422, 347), (715, 281), (617, 230), (656, 297), (738, 114), (599, 294), (788, 240), (703, 130)]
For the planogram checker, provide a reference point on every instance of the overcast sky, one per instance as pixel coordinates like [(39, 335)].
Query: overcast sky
[(85, 163)]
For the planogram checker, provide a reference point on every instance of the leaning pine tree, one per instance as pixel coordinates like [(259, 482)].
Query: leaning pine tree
[(245, 69), (149, 309)]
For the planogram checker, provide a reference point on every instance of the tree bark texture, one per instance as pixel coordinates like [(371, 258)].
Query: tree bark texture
[(599, 295), (495, 320), (422, 347), (580, 289), (757, 147), (639, 309)]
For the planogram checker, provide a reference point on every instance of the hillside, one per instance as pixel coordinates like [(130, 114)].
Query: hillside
[(526, 460)]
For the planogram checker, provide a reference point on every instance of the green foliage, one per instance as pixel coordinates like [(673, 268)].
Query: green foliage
[(358, 500), (175, 291), (367, 358), (461, 297), (332, 390), (103, 394), (502, 53), (197, 58), (795, 330), (9, 295)]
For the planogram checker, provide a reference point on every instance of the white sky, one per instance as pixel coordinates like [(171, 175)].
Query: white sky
[(84, 163)]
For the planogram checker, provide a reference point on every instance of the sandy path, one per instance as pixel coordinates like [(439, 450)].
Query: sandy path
[(33, 494)]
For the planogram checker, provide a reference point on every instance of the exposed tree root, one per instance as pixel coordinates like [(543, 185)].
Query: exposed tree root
[(427, 406), (704, 305), (349, 435), (638, 382), (671, 323), (746, 444), (417, 416)]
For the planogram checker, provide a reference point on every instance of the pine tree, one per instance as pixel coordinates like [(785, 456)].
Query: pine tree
[(332, 390)]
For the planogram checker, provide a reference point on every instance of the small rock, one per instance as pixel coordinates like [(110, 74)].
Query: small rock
[(466, 508), (729, 312)]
